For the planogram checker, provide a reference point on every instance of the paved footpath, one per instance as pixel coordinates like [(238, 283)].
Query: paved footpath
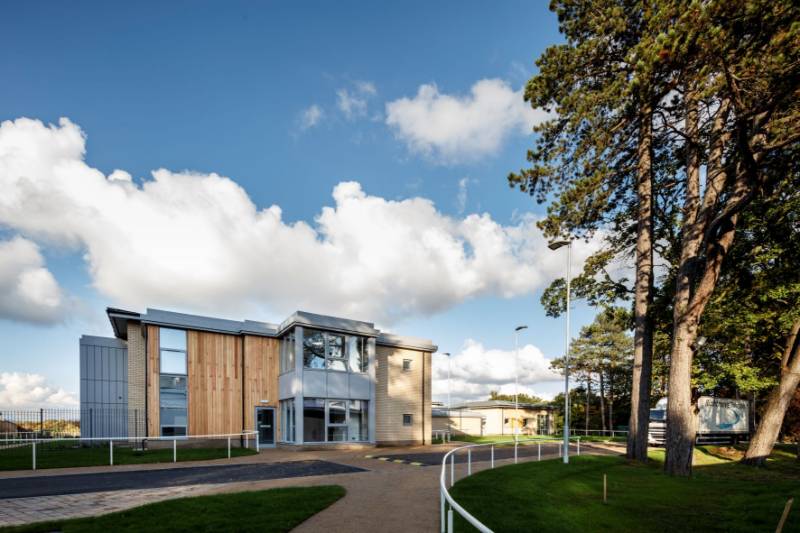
[(384, 496)]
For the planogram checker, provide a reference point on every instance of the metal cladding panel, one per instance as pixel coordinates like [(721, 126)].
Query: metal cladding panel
[(359, 387), (337, 385), (104, 387), (314, 384)]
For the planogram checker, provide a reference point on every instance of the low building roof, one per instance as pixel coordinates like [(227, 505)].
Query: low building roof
[(498, 404), (463, 413), (160, 317)]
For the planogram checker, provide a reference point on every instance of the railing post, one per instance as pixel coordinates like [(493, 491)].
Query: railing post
[(452, 468), (469, 461), (450, 520), (515, 452), (111, 452), (229, 447), (174, 450), (258, 445), (492, 456), (442, 510), (34, 455), (560, 450), (579, 445), (539, 452)]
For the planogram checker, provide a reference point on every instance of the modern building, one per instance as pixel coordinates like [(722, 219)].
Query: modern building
[(311, 380), (502, 418)]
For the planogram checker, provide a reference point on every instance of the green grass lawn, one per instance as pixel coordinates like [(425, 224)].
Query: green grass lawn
[(61, 454), (722, 495), (264, 511)]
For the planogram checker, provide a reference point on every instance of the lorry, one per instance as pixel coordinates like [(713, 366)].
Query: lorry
[(719, 420)]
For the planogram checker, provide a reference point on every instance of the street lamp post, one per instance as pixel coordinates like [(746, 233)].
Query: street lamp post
[(555, 246), (449, 405), (516, 374)]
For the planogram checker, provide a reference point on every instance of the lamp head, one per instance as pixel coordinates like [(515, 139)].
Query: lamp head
[(555, 245), (520, 328)]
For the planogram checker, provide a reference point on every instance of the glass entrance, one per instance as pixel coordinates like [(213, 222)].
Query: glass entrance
[(265, 425)]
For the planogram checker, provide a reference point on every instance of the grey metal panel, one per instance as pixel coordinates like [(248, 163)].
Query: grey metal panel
[(286, 388), (402, 341), (337, 385), (359, 387), (104, 382), (314, 384), (330, 323)]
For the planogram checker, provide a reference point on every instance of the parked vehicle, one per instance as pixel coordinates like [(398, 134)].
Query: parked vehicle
[(719, 420)]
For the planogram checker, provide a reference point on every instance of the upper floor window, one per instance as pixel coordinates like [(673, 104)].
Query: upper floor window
[(406, 365), (172, 382), (334, 351), (287, 353)]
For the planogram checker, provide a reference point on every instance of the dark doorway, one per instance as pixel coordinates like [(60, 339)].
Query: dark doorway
[(265, 425)]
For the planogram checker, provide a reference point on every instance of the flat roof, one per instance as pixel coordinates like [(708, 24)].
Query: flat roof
[(160, 317)]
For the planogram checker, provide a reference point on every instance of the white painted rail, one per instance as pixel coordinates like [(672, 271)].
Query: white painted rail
[(446, 500)]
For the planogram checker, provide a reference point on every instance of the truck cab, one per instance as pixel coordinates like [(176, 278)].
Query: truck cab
[(719, 420)]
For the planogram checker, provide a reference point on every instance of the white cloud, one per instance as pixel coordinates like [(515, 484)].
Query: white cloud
[(353, 102), (21, 390), (311, 116), (462, 195), (197, 242), (29, 291), (476, 371), (452, 128)]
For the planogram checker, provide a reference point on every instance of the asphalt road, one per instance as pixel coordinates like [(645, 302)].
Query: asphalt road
[(170, 477)]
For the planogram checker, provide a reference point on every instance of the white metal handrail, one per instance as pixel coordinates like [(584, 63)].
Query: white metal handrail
[(446, 515), (10, 443)]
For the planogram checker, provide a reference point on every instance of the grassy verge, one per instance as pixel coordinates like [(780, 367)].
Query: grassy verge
[(66, 454), (264, 511), (722, 495)]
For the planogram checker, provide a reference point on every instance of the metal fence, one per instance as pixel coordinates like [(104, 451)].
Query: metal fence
[(54, 452), (448, 504), (87, 422)]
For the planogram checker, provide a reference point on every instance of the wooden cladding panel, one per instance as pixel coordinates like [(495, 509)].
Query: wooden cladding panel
[(260, 377), (215, 383), (153, 407)]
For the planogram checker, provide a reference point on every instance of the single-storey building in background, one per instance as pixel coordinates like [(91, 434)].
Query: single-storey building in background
[(458, 421), (500, 418), (312, 379)]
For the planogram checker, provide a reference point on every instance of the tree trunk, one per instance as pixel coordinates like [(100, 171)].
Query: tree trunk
[(611, 399), (602, 407), (643, 332), (588, 388), (690, 300), (779, 399)]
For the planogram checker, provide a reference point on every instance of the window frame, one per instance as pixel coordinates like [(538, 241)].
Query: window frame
[(346, 358), (410, 420), (364, 408), (407, 367), (185, 376)]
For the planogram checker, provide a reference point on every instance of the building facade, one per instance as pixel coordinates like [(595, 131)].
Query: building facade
[(311, 380), (505, 418)]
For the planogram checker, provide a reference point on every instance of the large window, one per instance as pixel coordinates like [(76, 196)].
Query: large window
[(333, 351), (335, 420), (287, 420), (287, 353), (172, 382)]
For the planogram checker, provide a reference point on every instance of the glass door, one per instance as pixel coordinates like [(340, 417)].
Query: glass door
[(265, 425)]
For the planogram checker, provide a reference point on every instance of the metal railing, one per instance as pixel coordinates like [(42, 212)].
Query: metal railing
[(446, 515), (245, 439), (599, 432), (443, 434)]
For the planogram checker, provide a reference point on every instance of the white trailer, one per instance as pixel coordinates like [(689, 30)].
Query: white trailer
[(719, 420)]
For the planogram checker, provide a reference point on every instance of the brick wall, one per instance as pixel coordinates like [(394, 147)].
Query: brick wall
[(400, 392), (136, 381)]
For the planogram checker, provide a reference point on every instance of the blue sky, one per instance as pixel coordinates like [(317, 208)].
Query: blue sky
[(287, 101)]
